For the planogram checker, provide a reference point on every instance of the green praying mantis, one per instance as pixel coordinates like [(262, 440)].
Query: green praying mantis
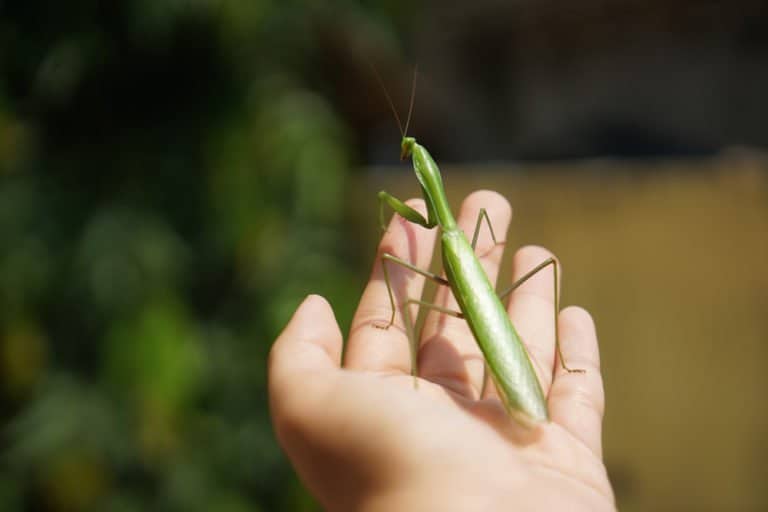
[(506, 358)]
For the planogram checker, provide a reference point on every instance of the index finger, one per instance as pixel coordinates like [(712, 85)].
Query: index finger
[(371, 347)]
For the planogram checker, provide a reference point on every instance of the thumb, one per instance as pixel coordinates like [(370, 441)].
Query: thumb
[(310, 343)]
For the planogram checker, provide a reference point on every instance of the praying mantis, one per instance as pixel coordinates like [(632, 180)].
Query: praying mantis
[(506, 357)]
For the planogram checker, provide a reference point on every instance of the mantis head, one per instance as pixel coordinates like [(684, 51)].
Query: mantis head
[(406, 147)]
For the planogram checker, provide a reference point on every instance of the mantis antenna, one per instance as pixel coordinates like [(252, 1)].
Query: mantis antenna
[(403, 131), (413, 96)]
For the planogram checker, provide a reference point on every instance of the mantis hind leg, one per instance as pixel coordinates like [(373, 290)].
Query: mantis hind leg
[(483, 214), (409, 323), (523, 279)]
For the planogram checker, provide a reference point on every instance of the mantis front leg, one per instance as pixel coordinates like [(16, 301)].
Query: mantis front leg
[(404, 211)]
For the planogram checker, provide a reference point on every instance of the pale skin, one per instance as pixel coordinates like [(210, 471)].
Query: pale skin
[(362, 437)]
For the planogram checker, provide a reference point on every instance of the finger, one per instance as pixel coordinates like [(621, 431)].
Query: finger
[(577, 400), (370, 346), (310, 343), (449, 354), (532, 311)]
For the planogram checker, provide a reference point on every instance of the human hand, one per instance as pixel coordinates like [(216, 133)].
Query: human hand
[(363, 438)]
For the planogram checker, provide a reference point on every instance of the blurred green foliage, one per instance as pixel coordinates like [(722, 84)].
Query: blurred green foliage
[(171, 189)]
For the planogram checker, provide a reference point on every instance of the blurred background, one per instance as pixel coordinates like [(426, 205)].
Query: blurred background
[(176, 175)]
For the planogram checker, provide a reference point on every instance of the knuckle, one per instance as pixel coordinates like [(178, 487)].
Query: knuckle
[(584, 390), (532, 252), (380, 318)]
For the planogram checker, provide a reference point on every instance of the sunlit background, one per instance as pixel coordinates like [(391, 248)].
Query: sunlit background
[(176, 175)]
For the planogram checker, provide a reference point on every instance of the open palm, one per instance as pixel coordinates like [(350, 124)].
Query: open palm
[(363, 437)]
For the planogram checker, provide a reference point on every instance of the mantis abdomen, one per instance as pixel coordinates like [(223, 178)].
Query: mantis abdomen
[(505, 355)]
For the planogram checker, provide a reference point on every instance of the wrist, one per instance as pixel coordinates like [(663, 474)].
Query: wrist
[(512, 494)]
